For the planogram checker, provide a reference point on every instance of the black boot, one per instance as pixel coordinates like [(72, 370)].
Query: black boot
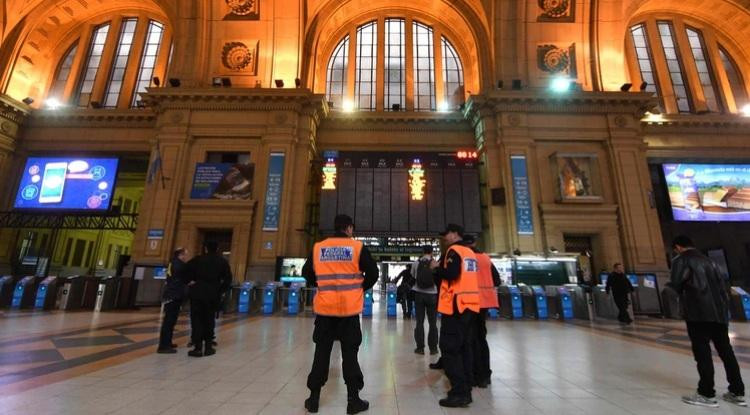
[(197, 351), (311, 403), (354, 403), (209, 349)]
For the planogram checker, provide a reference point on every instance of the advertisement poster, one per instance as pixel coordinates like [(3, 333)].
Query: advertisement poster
[(522, 195), (709, 192), (274, 182), (224, 181), (67, 183)]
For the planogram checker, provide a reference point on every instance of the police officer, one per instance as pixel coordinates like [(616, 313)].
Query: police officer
[(174, 293), (488, 279), (458, 302), (336, 267)]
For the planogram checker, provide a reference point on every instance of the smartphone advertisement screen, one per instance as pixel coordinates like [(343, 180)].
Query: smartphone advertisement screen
[(67, 183)]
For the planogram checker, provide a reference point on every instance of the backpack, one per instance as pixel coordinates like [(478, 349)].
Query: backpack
[(425, 278)]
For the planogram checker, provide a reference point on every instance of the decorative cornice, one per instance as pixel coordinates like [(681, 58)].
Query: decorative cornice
[(12, 110), (396, 121), (236, 99), (84, 117), (542, 100), (696, 123)]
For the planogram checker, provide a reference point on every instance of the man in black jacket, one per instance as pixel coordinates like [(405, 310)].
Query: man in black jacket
[(620, 287), (174, 294), (209, 275), (705, 305)]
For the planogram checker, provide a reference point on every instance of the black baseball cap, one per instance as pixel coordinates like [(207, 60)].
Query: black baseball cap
[(341, 222), (452, 227), (469, 239)]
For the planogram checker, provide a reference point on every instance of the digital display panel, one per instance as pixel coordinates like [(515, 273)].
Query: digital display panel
[(291, 269), (67, 183), (709, 192)]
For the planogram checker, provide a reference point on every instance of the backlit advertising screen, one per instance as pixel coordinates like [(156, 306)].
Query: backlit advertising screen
[(52, 183), (709, 192)]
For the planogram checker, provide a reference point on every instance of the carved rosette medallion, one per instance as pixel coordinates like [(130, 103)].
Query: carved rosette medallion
[(556, 10), (242, 9), (236, 56), (556, 60)]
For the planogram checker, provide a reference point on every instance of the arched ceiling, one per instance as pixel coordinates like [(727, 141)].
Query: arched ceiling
[(42, 29), (464, 20)]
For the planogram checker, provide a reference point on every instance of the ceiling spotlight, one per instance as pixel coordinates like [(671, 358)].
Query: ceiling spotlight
[(157, 81), (52, 103), (517, 252), (396, 107), (297, 83), (626, 87), (516, 84), (95, 104), (226, 82), (174, 82), (553, 250), (560, 84), (258, 84), (28, 100), (330, 104), (644, 85), (347, 106), (745, 110), (215, 81), (444, 106), (500, 84), (279, 83)]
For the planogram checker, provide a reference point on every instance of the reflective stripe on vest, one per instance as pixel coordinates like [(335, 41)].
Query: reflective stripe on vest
[(487, 291), (336, 265), (464, 290)]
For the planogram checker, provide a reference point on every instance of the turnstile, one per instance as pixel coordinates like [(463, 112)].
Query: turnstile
[(604, 305), (534, 302), (559, 302), (390, 300), (7, 287), (245, 297), (90, 292), (294, 298), (646, 295), (106, 294), (511, 304), (309, 296), (25, 293), (270, 301), (670, 301), (126, 292), (46, 294), (739, 304), (367, 306), (72, 293)]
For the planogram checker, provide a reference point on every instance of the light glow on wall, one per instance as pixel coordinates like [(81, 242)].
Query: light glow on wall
[(329, 175), (746, 110), (417, 180)]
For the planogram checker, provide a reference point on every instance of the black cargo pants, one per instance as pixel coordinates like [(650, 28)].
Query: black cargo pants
[(457, 350), (347, 331)]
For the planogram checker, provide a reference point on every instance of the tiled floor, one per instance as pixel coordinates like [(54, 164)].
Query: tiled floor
[(84, 363)]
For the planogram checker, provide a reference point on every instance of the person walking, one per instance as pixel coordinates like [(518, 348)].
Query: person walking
[(342, 269), (619, 286), (209, 275), (458, 302), (425, 301), (705, 306), (174, 295), (404, 294), (488, 280)]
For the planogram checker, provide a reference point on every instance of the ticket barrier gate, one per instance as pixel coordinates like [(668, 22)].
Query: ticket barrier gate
[(270, 300), (245, 297), (126, 293), (390, 298), (294, 299), (46, 294), (739, 304), (534, 302), (670, 301), (604, 305), (646, 299), (511, 303), (7, 288), (559, 302), (309, 296), (72, 293), (106, 294), (90, 292), (583, 303), (25, 293), (367, 307)]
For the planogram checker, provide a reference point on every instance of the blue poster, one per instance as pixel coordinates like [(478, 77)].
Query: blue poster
[(522, 195), (226, 181), (272, 209), (709, 192), (67, 183)]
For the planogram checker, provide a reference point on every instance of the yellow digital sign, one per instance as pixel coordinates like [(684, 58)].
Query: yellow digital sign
[(417, 180), (329, 175)]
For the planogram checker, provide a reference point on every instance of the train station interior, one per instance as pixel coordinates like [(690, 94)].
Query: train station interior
[(564, 136)]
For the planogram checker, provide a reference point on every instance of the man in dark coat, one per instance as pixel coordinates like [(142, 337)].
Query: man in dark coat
[(209, 275), (619, 286), (705, 306), (174, 295)]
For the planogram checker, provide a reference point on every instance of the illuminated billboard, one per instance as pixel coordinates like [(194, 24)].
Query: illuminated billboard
[(67, 183), (709, 192)]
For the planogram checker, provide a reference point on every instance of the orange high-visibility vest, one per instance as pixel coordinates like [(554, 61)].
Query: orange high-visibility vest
[(487, 291), (465, 289), (336, 265)]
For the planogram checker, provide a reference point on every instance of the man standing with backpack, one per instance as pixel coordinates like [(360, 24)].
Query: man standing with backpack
[(425, 301)]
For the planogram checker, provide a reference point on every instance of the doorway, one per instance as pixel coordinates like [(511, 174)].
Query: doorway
[(584, 247), (223, 237)]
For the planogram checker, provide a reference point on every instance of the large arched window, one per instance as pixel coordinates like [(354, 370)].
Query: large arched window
[(396, 64), (685, 64), (111, 63)]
